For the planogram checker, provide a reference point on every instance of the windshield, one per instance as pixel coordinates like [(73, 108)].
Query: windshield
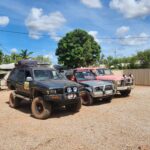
[(87, 75), (47, 75), (104, 72)]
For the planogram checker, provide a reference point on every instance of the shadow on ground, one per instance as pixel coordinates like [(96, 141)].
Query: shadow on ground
[(25, 107)]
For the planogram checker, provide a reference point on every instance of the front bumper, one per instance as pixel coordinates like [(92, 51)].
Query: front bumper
[(63, 98), (123, 88), (101, 94)]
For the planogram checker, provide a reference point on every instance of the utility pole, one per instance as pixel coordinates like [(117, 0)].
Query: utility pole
[(115, 53)]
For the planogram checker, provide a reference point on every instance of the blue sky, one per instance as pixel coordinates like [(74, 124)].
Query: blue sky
[(121, 25)]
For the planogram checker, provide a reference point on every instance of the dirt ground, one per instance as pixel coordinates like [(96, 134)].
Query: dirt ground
[(123, 124)]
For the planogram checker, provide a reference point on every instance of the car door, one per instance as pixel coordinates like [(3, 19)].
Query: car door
[(27, 84), (20, 79)]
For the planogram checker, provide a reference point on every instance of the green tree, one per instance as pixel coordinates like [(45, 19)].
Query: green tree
[(1, 56), (144, 58), (25, 54), (6, 59), (77, 49), (42, 59)]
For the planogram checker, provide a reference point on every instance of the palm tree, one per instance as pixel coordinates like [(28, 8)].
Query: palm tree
[(25, 54)]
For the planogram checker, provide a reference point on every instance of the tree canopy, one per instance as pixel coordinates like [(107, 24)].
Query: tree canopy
[(42, 59), (77, 49), (25, 54)]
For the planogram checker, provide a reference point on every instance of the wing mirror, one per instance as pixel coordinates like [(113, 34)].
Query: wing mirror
[(29, 79)]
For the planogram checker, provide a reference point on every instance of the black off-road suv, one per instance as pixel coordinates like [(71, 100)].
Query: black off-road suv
[(44, 87)]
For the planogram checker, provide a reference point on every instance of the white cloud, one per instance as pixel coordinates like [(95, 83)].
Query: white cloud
[(92, 3), (14, 50), (122, 30), (54, 36), (39, 23), (4, 20), (131, 8), (95, 35), (140, 39)]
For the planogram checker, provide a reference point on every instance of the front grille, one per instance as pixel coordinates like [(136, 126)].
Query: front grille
[(126, 82), (123, 82), (59, 91), (100, 88), (108, 87)]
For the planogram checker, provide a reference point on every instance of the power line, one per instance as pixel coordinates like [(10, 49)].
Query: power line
[(104, 38)]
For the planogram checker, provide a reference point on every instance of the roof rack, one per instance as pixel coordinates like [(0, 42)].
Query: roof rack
[(26, 63)]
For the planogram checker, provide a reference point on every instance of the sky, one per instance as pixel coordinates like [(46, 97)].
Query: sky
[(121, 27)]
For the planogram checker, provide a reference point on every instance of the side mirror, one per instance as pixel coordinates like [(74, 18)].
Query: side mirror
[(29, 79)]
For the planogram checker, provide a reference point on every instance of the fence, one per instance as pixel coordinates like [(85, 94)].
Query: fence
[(142, 76)]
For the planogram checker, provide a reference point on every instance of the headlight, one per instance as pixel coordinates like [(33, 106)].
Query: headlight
[(52, 91), (69, 90), (75, 89)]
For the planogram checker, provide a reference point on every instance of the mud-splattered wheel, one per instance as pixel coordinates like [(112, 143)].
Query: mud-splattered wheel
[(14, 102), (86, 98), (40, 108), (125, 93)]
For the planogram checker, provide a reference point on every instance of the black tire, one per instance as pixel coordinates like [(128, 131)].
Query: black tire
[(40, 108), (125, 93), (14, 102), (108, 99), (74, 107), (86, 98)]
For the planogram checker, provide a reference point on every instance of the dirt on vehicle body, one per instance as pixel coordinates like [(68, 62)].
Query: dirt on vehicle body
[(93, 89), (123, 84), (44, 87)]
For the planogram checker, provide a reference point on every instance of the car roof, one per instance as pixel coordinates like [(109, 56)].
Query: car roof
[(88, 68), (35, 68)]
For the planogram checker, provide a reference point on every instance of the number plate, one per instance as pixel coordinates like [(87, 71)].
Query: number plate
[(72, 96)]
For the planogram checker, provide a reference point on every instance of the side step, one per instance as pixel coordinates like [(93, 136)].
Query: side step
[(22, 97)]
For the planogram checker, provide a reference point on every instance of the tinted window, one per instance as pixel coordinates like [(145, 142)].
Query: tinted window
[(21, 76), (13, 74), (104, 72), (87, 75), (27, 74)]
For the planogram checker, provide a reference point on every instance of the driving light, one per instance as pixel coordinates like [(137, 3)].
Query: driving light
[(124, 76), (69, 90), (75, 89), (131, 75)]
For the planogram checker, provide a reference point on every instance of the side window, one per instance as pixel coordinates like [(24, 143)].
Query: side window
[(27, 74), (13, 74), (101, 71), (20, 76)]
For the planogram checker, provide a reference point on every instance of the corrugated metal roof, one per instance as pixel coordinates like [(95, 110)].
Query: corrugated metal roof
[(7, 66)]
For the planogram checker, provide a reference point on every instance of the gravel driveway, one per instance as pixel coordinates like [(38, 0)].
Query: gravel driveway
[(123, 124)]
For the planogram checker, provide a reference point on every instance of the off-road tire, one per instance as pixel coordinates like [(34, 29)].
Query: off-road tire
[(125, 93), (86, 98), (74, 107), (14, 102), (108, 99), (40, 108)]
